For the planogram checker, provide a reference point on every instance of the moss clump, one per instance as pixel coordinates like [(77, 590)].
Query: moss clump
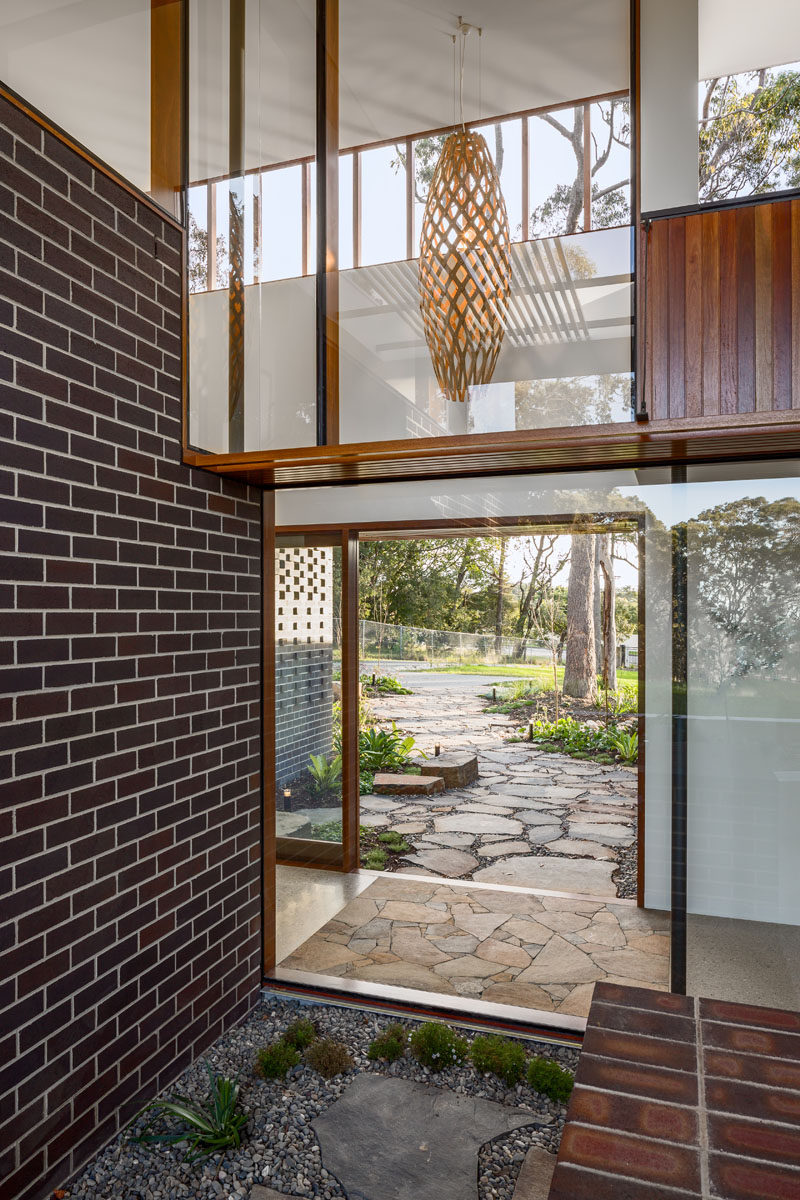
[(437, 1046), (277, 1059), (389, 1045), (504, 1058), (300, 1034), (375, 860), (329, 1057), (548, 1077)]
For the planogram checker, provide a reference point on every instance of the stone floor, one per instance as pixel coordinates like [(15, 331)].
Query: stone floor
[(533, 819), (508, 947)]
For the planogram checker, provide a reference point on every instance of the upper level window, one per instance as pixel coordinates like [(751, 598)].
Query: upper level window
[(750, 133)]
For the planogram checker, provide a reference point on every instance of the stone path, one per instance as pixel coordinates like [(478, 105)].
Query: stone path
[(542, 952), (532, 819), (431, 1153)]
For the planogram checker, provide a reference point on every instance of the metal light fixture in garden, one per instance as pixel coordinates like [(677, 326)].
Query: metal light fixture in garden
[(464, 260)]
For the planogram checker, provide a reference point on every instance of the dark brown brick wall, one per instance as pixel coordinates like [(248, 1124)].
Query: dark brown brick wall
[(129, 677)]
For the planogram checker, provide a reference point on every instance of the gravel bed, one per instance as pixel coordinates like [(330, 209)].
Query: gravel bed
[(280, 1149), (626, 874)]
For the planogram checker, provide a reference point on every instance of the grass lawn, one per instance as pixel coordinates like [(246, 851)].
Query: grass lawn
[(542, 672)]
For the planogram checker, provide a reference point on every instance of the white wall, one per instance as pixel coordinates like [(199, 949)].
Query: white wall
[(668, 104), (86, 65)]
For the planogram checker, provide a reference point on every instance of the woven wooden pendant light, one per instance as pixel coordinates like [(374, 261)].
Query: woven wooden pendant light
[(464, 265)]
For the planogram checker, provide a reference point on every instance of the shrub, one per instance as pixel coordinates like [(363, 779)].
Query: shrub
[(548, 1077), (300, 1034), (325, 776), (502, 1057), (626, 745), (206, 1126), (385, 685), (275, 1060), (389, 1045), (384, 749), (437, 1046), (329, 1057)]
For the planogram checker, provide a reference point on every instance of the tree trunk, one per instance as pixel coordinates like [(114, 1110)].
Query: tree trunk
[(580, 671), (608, 662), (598, 602), (498, 621)]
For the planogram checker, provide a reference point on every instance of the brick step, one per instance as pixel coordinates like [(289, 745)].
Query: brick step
[(408, 785), (457, 770)]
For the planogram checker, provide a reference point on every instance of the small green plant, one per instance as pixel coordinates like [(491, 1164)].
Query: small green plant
[(384, 685), (389, 1045), (504, 1058), (394, 842), (375, 860), (300, 1034), (329, 1057), (626, 745), (206, 1126), (325, 775), (277, 1059), (384, 749), (548, 1077), (437, 1046)]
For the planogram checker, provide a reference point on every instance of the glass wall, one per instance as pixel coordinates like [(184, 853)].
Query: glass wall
[(90, 67), (308, 736), (721, 674), (563, 342)]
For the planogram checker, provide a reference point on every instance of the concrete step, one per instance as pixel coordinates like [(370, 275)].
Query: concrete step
[(408, 785), (457, 770), (536, 1175)]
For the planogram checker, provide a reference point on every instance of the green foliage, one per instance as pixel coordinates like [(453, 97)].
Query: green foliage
[(275, 1060), (437, 1046), (329, 1057), (384, 685), (502, 1057), (389, 1045), (300, 1034), (624, 700), (626, 745), (579, 740), (384, 749), (208, 1126), (548, 1077), (325, 776), (366, 782), (394, 842), (375, 860)]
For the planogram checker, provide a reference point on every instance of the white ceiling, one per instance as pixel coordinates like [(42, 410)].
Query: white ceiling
[(396, 68), (740, 35)]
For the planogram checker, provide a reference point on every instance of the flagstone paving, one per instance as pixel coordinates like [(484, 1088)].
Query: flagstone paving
[(535, 951), (569, 825)]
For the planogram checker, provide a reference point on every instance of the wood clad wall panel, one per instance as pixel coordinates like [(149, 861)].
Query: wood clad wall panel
[(795, 304), (676, 317), (781, 306), (763, 307), (710, 314), (693, 303), (746, 308), (728, 355), (722, 291)]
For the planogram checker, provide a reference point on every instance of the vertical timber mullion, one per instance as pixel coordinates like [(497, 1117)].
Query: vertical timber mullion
[(350, 777), (236, 314), (679, 814), (166, 103), (268, 719), (327, 285)]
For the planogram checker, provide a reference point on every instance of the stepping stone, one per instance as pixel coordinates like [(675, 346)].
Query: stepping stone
[(457, 770), (544, 833), (477, 823), (457, 841), (409, 827), (536, 1175), (582, 849), (554, 874), (429, 1154), (293, 825), (265, 1193), (450, 863), (408, 785), (596, 831), (498, 848)]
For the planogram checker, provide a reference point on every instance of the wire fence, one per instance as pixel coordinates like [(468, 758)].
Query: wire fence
[(406, 643)]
